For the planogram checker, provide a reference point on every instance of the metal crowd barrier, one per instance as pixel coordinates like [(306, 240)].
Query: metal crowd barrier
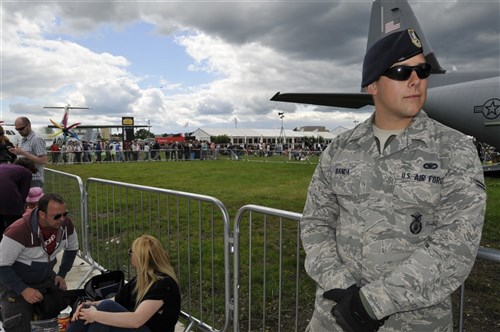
[(272, 292), (270, 289), (193, 228), (278, 311)]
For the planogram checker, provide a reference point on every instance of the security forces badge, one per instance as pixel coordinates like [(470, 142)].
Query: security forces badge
[(414, 38), (416, 224)]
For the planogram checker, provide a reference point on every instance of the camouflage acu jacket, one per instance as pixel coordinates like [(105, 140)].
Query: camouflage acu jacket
[(404, 224)]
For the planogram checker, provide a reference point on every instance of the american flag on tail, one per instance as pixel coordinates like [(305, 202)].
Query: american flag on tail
[(392, 25)]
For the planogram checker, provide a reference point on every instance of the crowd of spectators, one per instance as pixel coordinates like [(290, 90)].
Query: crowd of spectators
[(138, 150)]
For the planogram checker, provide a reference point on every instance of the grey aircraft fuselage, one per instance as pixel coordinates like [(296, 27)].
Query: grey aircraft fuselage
[(466, 101)]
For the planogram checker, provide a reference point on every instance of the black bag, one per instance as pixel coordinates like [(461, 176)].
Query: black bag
[(99, 287), (104, 286)]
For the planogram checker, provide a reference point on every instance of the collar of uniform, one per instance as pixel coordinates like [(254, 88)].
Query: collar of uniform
[(415, 135), (416, 131), (364, 137), (363, 130)]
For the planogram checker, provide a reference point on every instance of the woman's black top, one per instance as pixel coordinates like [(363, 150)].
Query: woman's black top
[(165, 289)]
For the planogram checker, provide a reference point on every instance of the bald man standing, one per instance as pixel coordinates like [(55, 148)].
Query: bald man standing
[(31, 147)]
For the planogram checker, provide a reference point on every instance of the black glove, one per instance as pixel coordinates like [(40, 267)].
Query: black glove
[(337, 294), (349, 311)]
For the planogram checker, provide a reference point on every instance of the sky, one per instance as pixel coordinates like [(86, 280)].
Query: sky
[(181, 65)]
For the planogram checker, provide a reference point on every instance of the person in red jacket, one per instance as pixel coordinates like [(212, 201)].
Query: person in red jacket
[(28, 254), (15, 181)]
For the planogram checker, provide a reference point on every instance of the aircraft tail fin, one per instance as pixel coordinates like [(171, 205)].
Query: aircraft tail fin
[(392, 15)]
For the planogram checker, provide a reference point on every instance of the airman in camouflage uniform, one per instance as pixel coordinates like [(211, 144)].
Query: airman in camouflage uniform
[(403, 223)]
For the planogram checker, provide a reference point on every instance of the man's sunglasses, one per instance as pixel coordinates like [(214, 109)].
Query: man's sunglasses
[(22, 128), (59, 215), (403, 73)]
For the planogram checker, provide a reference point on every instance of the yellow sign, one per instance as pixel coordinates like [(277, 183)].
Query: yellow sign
[(127, 121)]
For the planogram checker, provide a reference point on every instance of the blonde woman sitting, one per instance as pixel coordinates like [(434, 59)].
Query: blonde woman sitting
[(149, 302)]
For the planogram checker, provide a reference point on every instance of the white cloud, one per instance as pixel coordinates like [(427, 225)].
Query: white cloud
[(251, 49), (33, 66)]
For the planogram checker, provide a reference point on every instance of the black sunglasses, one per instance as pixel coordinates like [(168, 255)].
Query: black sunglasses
[(22, 128), (59, 215), (403, 73), (130, 251)]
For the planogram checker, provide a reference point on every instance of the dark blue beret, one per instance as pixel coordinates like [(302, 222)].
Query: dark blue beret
[(395, 47)]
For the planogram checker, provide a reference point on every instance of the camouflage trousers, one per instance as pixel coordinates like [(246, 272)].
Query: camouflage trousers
[(437, 318)]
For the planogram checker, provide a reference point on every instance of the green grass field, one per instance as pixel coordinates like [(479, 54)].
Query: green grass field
[(272, 182)]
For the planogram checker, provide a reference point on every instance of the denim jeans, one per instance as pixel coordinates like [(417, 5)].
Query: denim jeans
[(109, 306)]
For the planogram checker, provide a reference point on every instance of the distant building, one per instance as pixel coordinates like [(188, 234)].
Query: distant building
[(321, 129), (240, 136)]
